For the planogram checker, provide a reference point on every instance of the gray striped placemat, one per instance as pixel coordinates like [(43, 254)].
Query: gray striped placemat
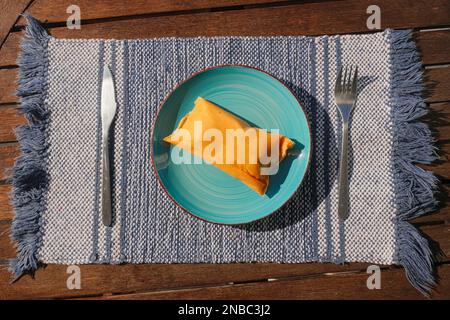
[(56, 192)]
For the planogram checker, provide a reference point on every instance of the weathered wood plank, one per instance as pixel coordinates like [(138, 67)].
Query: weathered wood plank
[(51, 11), (9, 119), (438, 120), (440, 234), (108, 279), (434, 46), (8, 80), (6, 212), (176, 279), (10, 11), (8, 154), (442, 213), (394, 285), (332, 17), (308, 19), (438, 80), (7, 249), (9, 52)]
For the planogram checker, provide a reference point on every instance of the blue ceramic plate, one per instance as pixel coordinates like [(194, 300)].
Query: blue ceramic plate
[(261, 100)]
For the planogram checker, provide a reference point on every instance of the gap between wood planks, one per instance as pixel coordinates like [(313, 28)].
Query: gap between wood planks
[(279, 282), (290, 18), (51, 284), (11, 11), (232, 284), (180, 10), (169, 11)]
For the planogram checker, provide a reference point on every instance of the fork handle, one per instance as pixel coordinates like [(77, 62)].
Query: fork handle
[(343, 175)]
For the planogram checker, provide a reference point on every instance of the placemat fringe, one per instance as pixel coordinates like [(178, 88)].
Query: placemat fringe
[(29, 176), (413, 144)]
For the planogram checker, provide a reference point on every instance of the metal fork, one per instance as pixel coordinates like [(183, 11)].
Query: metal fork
[(345, 96)]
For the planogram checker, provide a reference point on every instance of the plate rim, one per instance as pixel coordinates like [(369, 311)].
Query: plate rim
[(178, 85)]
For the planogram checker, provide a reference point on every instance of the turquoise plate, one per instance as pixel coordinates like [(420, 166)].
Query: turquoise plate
[(261, 100)]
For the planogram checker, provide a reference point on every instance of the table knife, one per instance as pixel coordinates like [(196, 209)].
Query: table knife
[(108, 111)]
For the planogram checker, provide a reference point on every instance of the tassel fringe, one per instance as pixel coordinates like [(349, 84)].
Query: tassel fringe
[(413, 144), (29, 175)]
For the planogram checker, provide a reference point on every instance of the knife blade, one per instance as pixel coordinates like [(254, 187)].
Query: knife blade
[(108, 110)]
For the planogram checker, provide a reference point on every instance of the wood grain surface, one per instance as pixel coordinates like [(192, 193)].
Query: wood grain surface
[(10, 11), (155, 18), (297, 19)]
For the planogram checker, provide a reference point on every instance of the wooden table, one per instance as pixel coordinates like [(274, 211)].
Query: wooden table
[(154, 18)]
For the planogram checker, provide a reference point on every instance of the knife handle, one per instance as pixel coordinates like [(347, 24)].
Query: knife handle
[(106, 185)]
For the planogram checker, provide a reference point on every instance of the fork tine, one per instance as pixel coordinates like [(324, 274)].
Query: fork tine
[(355, 82), (344, 81), (337, 86), (350, 79)]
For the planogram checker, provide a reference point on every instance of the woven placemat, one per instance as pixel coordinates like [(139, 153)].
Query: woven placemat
[(57, 184)]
